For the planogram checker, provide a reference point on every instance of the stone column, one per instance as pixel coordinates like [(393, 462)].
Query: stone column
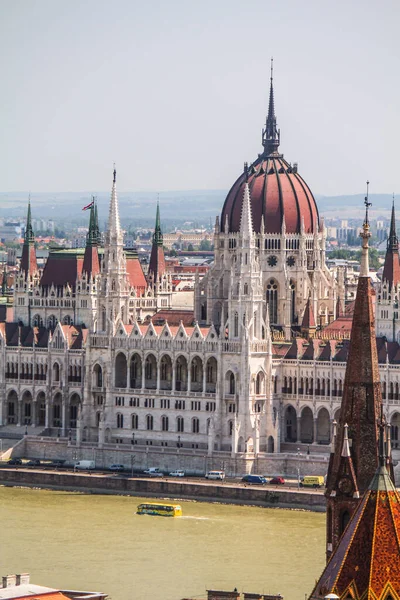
[(204, 378), (19, 413), (143, 374), (63, 413), (189, 377), (34, 413), (298, 430), (102, 433), (315, 431), (47, 417), (158, 378), (210, 440), (173, 377)]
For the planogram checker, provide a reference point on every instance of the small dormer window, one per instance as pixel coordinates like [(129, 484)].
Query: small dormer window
[(166, 334), (151, 333), (136, 332), (181, 334), (196, 335)]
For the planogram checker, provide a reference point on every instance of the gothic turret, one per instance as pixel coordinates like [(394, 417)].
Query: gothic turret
[(28, 258), (157, 259), (114, 285), (391, 269), (91, 264), (360, 410)]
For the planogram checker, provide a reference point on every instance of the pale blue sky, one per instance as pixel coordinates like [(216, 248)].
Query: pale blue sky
[(176, 92)]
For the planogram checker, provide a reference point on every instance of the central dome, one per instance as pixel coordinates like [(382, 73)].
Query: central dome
[(278, 193)]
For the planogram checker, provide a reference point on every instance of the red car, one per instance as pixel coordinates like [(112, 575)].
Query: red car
[(277, 481)]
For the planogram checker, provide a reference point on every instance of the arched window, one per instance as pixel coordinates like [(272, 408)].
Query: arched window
[(135, 422), (120, 421), (164, 423), (245, 289), (344, 519), (231, 383), (236, 325), (149, 422), (98, 375), (56, 372), (180, 425), (195, 425), (272, 300)]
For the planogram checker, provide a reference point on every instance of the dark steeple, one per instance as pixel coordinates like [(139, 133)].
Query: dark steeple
[(271, 135), (360, 410), (391, 269)]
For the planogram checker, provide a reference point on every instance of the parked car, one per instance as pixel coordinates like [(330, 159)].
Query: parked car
[(57, 462), (34, 462), (177, 473), (256, 479), (14, 462), (215, 475), (153, 472), (117, 468), (277, 481)]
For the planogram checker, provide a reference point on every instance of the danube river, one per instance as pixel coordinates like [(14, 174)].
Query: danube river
[(98, 543)]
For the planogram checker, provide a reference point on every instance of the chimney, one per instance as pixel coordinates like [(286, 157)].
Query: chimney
[(9, 581), (295, 167), (24, 578)]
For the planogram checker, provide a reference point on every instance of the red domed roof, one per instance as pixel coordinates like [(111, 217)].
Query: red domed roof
[(277, 191)]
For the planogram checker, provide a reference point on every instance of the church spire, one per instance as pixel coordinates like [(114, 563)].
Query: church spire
[(271, 135), (92, 235), (91, 263), (360, 409)]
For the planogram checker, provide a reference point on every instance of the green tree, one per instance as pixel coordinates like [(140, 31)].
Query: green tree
[(205, 245), (190, 248)]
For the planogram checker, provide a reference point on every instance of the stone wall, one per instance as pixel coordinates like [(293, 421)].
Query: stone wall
[(167, 459), (115, 484)]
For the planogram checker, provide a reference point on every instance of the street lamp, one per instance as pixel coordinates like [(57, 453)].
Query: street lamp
[(133, 438), (26, 429), (69, 435), (179, 441)]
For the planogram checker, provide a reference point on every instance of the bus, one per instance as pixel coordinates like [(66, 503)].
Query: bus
[(162, 510)]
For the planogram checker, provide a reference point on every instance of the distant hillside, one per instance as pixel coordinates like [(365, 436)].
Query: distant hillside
[(138, 208)]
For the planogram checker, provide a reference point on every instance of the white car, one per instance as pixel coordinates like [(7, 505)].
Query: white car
[(177, 473)]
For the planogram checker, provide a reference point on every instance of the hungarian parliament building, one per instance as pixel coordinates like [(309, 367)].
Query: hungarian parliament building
[(259, 368)]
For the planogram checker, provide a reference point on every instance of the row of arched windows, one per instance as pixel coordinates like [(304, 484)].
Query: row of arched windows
[(309, 386), (165, 423)]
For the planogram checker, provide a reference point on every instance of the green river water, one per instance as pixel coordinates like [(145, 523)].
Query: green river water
[(92, 542)]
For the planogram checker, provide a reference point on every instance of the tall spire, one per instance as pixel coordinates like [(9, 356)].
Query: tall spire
[(391, 269), (92, 235), (114, 226), (271, 135), (91, 263)]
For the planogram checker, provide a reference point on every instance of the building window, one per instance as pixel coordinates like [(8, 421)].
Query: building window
[(135, 422), (120, 421), (180, 425), (164, 423), (195, 425), (149, 422)]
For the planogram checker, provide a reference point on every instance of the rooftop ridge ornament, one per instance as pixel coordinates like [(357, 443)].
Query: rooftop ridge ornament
[(246, 171)]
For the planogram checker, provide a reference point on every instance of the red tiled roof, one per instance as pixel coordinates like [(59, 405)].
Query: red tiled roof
[(135, 274), (174, 317), (62, 267)]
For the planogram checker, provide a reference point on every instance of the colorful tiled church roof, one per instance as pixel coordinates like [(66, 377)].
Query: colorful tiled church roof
[(366, 562)]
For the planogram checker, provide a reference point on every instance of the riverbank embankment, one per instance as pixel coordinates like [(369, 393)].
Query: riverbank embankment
[(101, 483)]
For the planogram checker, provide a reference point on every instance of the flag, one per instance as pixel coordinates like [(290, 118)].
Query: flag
[(88, 206)]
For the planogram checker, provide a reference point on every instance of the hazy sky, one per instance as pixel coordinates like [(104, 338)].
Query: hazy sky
[(176, 92)]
